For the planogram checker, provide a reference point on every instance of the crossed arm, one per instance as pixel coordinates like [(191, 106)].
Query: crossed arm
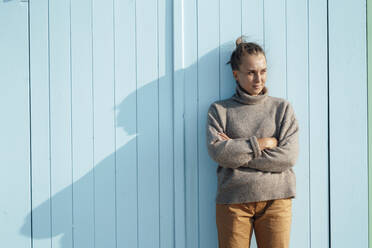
[(266, 154)]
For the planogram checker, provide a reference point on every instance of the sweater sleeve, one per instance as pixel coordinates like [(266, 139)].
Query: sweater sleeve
[(285, 154), (230, 153)]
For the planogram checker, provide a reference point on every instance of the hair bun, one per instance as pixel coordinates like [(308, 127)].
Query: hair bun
[(239, 40)]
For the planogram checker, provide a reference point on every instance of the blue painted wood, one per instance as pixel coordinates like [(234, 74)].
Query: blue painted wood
[(60, 123), (14, 129), (348, 124), (275, 46), (40, 126), (318, 127), (208, 91), (82, 128), (252, 25), (190, 88), (148, 123), (165, 94), (182, 218), (126, 130), (298, 94), (104, 125), (118, 140), (229, 14)]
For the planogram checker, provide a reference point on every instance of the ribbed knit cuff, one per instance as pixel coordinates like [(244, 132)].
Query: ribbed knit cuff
[(255, 146)]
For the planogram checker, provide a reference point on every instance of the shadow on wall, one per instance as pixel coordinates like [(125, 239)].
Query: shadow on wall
[(124, 122)]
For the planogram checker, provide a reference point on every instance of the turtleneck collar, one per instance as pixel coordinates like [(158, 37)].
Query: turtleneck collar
[(242, 96)]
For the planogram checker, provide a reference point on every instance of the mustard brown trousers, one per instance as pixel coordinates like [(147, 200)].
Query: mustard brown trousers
[(270, 220)]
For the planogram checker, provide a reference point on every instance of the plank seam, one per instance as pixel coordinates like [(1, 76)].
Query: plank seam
[(309, 111), (49, 133), (30, 122), (158, 115), (329, 155), (115, 140), (136, 66), (71, 133), (93, 128), (197, 115)]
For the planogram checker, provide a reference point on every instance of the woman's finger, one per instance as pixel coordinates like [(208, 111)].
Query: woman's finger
[(224, 136)]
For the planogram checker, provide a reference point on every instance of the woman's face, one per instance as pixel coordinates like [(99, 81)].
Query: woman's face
[(252, 73)]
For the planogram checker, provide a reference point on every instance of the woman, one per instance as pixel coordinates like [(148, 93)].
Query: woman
[(254, 139)]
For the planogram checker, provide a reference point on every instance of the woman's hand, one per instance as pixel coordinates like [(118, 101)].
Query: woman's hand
[(269, 142), (224, 136), (264, 143)]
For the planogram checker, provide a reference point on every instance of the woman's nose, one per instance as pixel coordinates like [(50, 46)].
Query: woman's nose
[(258, 78)]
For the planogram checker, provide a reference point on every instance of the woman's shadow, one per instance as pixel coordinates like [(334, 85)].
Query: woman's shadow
[(94, 213)]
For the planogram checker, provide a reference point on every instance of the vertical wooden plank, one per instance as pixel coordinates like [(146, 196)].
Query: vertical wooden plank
[(275, 45), (208, 92), (181, 220), (82, 128), (318, 124), (148, 123), (252, 13), (126, 123), (190, 95), (369, 73), (166, 198), (40, 124), (15, 129), (60, 122), (229, 13), (298, 95), (348, 124), (104, 124)]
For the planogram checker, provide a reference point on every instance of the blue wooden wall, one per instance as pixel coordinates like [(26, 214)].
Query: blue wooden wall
[(348, 115), (104, 106), (15, 198)]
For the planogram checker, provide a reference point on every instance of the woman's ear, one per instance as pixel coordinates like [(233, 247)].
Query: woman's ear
[(235, 74)]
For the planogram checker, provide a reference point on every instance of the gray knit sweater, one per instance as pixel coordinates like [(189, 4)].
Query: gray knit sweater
[(245, 173)]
